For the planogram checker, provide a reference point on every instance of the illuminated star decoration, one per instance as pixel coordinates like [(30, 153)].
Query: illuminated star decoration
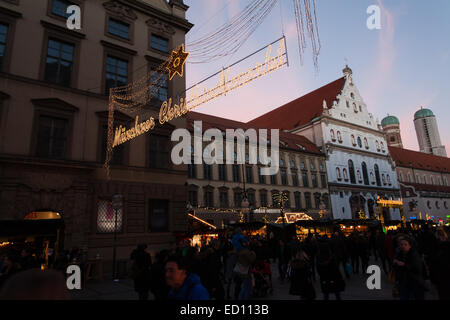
[(177, 61)]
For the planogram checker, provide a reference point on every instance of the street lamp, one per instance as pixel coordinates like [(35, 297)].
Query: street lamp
[(117, 202)]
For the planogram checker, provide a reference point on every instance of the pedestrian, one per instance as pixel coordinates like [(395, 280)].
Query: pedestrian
[(238, 240), (408, 266), (184, 284), (242, 274), (301, 281), (284, 256), (440, 266), (141, 262), (158, 284), (331, 280), (380, 248), (311, 248)]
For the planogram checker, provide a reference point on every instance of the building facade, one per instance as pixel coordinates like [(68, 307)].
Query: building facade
[(54, 86), (216, 192), (424, 183), (428, 133), (359, 167)]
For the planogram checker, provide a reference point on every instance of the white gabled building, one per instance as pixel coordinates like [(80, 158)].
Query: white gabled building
[(359, 167)]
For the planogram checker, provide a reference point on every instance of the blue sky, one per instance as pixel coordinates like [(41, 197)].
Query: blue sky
[(397, 69)]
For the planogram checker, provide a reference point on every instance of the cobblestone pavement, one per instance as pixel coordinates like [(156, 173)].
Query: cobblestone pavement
[(356, 289)]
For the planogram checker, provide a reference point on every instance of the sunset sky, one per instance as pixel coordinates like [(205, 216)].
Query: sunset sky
[(397, 69)]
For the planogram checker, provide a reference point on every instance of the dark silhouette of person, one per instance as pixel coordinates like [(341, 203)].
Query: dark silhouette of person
[(140, 268)]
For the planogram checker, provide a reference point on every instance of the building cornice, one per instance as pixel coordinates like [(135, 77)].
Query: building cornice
[(359, 188), (333, 147)]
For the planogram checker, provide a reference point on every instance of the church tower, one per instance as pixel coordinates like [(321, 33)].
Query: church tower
[(428, 133), (391, 126)]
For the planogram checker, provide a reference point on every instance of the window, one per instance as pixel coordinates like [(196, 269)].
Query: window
[(158, 151), (445, 205), (409, 177), (107, 217), (52, 137), (425, 179), (323, 180), (437, 205), (302, 166), (351, 169), (333, 137), (236, 175), (158, 215), (193, 198), (389, 180), (308, 200), (294, 178), (431, 180), (338, 174), (263, 198), (383, 178), (262, 178), (372, 177), (208, 195), (116, 73), (366, 143), (287, 203), (222, 172), (283, 177), (316, 200), (355, 108), (273, 179), (326, 200), (358, 173), (339, 136), (224, 199), (281, 162), (360, 109), (297, 200), (377, 145), (159, 43), (314, 180), (249, 174), (251, 199), (359, 142), (237, 199), (345, 174), (207, 174), (305, 179), (353, 140), (377, 175), (312, 166), (417, 178), (119, 29), (292, 164), (59, 8), (429, 204), (321, 166), (445, 181), (59, 62), (3, 37), (191, 171), (382, 146), (365, 174)]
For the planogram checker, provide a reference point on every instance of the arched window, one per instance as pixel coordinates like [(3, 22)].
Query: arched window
[(355, 108), (372, 177), (359, 142), (383, 178), (344, 171), (333, 137), (338, 174), (400, 176), (409, 177), (382, 146), (366, 143), (437, 205), (339, 136), (351, 169), (358, 173), (389, 180), (425, 179), (353, 140), (431, 180), (281, 162), (417, 178), (378, 145), (292, 164), (377, 175), (365, 175)]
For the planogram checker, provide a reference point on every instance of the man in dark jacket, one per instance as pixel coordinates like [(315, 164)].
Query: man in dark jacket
[(408, 266), (184, 285), (140, 268)]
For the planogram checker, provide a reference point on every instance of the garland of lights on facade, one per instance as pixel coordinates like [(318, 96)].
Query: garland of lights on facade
[(134, 98)]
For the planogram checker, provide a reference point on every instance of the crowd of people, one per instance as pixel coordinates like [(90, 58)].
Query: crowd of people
[(237, 267), (240, 268)]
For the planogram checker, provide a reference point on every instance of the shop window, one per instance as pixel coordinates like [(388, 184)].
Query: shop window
[(107, 219)]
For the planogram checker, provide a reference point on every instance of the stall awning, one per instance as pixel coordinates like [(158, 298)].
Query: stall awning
[(26, 228)]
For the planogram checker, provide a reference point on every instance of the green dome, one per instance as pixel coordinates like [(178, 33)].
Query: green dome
[(422, 113), (389, 120)]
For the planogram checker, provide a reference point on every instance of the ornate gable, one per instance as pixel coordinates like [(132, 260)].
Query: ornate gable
[(119, 10), (160, 26)]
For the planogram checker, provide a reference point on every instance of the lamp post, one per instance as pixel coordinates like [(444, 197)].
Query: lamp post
[(117, 200)]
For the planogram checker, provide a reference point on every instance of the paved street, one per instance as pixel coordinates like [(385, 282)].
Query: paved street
[(356, 289)]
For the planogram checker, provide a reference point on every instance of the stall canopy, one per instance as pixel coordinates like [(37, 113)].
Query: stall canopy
[(26, 228)]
